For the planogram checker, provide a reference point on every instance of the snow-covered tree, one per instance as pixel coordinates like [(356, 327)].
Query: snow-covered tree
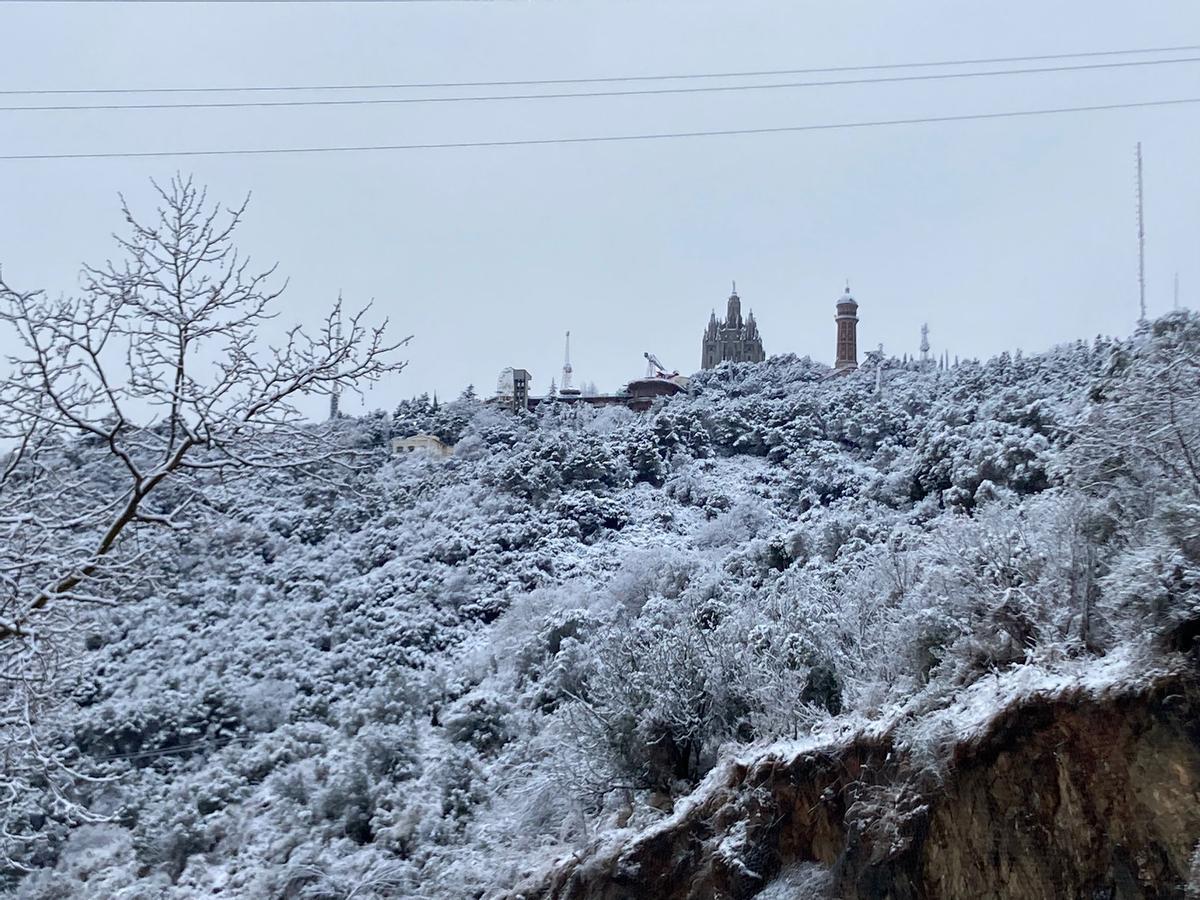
[(130, 409)]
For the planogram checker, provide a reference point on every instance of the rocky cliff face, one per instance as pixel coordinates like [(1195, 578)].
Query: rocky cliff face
[(1069, 793)]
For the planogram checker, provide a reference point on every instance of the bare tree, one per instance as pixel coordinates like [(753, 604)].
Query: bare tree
[(119, 409)]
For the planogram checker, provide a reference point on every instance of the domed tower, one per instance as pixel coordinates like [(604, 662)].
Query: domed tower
[(847, 332)]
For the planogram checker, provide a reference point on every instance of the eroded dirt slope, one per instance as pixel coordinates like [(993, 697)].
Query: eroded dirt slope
[(1068, 793)]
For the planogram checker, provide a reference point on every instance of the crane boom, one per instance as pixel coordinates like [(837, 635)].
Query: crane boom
[(654, 367)]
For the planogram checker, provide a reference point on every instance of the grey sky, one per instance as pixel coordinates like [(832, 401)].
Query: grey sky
[(1001, 234)]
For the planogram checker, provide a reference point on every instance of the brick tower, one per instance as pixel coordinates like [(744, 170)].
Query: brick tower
[(847, 332)]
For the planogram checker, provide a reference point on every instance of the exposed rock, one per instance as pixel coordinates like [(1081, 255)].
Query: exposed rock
[(1080, 793)]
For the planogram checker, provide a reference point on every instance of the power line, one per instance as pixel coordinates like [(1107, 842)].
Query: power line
[(593, 139), (233, 2), (762, 73), (707, 89)]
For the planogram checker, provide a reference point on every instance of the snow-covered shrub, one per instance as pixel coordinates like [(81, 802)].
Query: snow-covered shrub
[(651, 573), (589, 513), (743, 522), (479, 719)]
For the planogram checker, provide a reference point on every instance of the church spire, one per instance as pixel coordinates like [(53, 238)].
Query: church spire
[(733, 310)]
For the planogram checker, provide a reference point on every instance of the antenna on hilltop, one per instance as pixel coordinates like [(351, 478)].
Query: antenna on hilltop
[(566, 378), (334, 396), (1141, 239)]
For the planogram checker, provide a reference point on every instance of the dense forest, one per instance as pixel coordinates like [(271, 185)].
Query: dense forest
[(444, 677)]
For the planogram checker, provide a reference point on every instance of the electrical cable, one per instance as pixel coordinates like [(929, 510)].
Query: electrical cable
[(640, 92), (762, 73), (591, 139)]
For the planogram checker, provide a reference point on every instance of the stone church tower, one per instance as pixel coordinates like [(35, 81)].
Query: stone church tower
[(847, 332), (734, 339)]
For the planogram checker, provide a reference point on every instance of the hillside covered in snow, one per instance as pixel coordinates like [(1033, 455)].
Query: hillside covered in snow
[(450, 677)]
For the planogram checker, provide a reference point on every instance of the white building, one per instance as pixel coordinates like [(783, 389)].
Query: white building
[(426, 443)]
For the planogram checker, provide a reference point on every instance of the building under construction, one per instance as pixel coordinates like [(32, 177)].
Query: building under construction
[(512, 388), (731, 340)]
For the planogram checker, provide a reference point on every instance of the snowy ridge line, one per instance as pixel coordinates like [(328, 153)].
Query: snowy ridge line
[(969, 712)]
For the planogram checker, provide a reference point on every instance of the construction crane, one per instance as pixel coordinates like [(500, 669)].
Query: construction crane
[(655, 368)]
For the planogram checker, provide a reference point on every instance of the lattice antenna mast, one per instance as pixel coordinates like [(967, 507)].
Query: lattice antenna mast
[(925, 343), (1141, 239), (335, 397), (566, 376)]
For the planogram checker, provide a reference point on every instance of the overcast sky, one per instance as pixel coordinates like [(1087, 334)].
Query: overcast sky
[(1001, 234)]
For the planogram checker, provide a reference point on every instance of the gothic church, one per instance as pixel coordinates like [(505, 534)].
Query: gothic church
[(734, 339)]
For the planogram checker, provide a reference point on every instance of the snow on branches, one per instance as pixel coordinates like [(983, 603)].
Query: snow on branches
[(127, 408)]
